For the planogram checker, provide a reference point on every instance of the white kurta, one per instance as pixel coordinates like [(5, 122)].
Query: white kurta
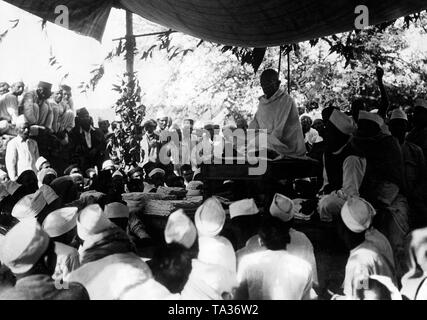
[(67, 261), (20, 156), (373, 256), (208, 282), (300, 246), (279, 116), (275, 275), (110, 277), (330, 205)]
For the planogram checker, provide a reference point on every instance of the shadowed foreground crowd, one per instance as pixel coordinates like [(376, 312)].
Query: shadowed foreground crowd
[(68, 233)]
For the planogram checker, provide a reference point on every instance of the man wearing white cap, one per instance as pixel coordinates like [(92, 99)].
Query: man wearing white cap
[(277, 113), (370, 251), (42, 163), (118, 213), (29, 253), (300, 246), (213, 274), (109, 266), (418, 134), (21, 152), (414, 168), (343, 168), (108, 165), (150, 143), (171, 263), (60, 225), (31, 206), (274, 273), (162, 120), (244, 222), (104, 125), (383, 182)]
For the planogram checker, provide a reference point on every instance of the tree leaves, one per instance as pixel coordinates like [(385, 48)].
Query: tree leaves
[(132, 112)]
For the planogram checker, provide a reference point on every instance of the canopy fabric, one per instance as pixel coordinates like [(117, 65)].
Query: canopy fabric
[(246, 23), (87, 17), (264, 23)]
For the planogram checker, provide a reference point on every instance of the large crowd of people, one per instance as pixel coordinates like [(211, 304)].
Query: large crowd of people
[(67, 231)]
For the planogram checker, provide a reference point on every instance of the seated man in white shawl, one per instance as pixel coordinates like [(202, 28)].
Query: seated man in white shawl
[(278, 114)]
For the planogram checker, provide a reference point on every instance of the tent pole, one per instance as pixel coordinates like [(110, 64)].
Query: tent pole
[(130, 46), (289, 72)]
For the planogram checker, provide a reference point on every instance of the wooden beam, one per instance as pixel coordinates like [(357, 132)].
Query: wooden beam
[(130, 46), (146, 34)]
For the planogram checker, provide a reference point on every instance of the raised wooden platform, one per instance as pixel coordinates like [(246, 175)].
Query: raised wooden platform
[(276, 170)]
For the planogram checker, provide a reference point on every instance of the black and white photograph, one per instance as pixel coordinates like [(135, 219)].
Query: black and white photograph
[(224, 151)]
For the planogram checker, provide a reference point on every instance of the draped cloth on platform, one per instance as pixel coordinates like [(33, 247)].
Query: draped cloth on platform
[(249, 23)]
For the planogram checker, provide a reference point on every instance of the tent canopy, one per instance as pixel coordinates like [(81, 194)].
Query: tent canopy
[(246, 23)]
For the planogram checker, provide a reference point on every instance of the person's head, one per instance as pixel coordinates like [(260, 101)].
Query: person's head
[(118, 213), (57, 96), (356, 106), (369, 124), (338, 130), (355, 218), (274, 233), (27, 250), (188, 124), (150, 126), (157, 177), (44, 90), (29, 180), (187, 172), (175, 181), (23, 127), (104, 125), (104, 182), (398, 124), (4, 88), (18, 88), (108, 165), (65, 188), (301, 110), (66, 92), (171, 266), (61, 224), (42, 163), (46, 176), (327, 112), (78, 181), (84, 119), (210, 130), (306, 123), (72, 168), (270, 82), (136, 173), (319, 125), (118, 180), (420, 113), (241, 123), (163, 123)]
